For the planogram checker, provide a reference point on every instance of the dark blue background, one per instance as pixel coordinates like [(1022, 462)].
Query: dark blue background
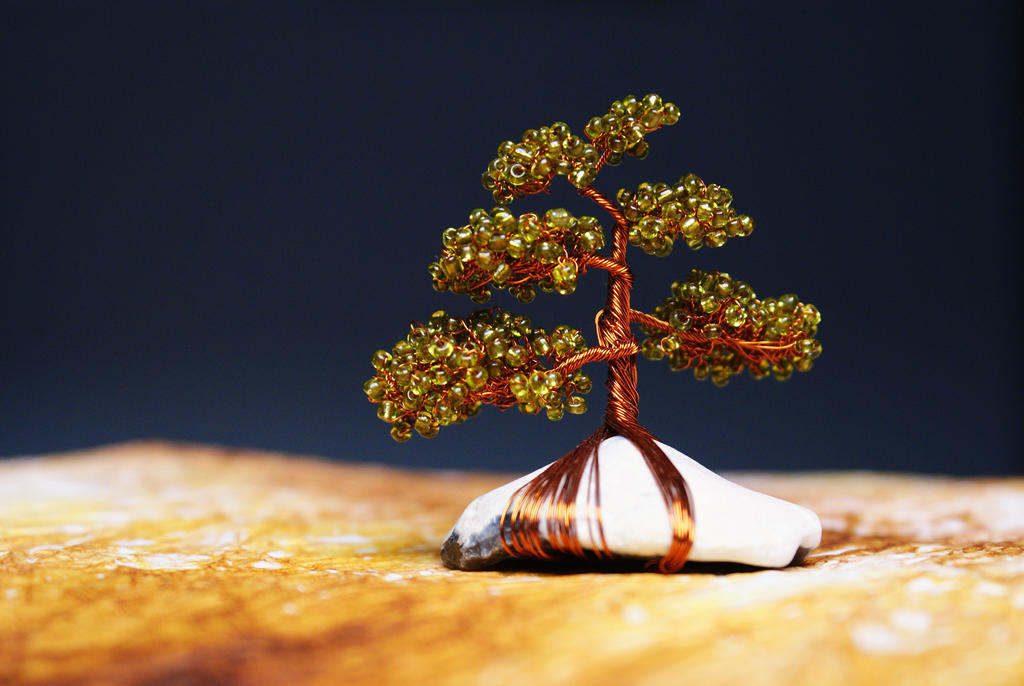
[(215, 212)]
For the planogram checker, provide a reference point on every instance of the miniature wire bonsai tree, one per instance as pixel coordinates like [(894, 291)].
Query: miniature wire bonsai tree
[(447, 367)]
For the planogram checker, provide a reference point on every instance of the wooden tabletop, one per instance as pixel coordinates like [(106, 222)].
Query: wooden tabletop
[(154, 563)]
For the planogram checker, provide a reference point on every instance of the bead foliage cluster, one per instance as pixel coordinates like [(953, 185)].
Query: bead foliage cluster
[(528, 166), (442, 371), (701, 214), (623, 129), (718, 327), (498, 249)]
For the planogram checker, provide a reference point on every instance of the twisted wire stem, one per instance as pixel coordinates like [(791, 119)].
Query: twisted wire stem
[(541, 519)]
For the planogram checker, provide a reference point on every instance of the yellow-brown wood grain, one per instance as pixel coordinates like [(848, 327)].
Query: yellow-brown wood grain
[(152, 563)]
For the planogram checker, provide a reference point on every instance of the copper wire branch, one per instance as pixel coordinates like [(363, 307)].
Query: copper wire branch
[(696, 344)]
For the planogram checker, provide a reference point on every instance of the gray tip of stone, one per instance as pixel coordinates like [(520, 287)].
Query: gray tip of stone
[(801, 555), (473, 555)]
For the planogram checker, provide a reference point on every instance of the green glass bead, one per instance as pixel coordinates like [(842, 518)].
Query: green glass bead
[(564, 272), (388, 411), (701, 371), (746, 225), (401, 431), (678, 361), (693, 184), (651, 350), (788, 302), (419, 382), (580, 177), (670, 114), (464, 358), (498, 242), (529, 227), (375, 389), (380, 360), (691, 229), (715, 239), (712, 331), (808, 348), (651, 101), (782, 370), (482, 235), (495, 369), (425, 426), (457, 393), (448, 238), (485, 258), (709, 303), (810, 314), (547, 252), (574, 146), (522, 154), (582, 383), (538, 383), (402, 375), (410, 401), (517, 384), (466, 253), (555, 413), (518, 174), (463, 236), (541, 344), (542, 168), (500, 273), (525, 293), (705, 212), (804, 364), (590, 241), (719, 218), (441, 347), (645, 200), (476, 377), (680, 320), (452, 267), (594, 128), (439, 375), (480, 297), (557, 218), (497, 347), (672, 211), (517, 247), (670, 344), (528, 408), (735, 315), (576, 405), (502, 219), (651, 119), (553, 379)]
